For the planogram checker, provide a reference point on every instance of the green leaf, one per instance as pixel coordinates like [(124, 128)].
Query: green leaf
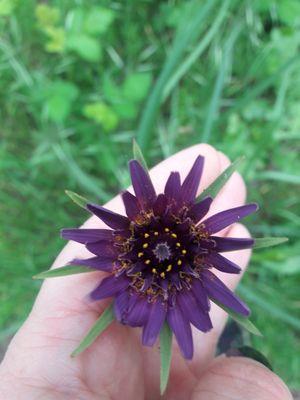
[(244, 321), (250, 352), (85, 46), (213, 189), (136, 86), (98, 20), (79, 200), (260, 243), (63, 271), (106, 318), (165, 356), (138, 155)]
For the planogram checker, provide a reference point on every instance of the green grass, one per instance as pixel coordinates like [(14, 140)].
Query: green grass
[(78, 82)]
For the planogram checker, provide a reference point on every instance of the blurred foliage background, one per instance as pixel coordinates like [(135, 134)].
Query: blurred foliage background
[(80, 79)]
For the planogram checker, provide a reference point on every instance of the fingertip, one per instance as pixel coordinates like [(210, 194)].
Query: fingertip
[(239, 377)]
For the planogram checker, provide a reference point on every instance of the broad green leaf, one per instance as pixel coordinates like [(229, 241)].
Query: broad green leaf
[(244, 321), (260, 243), (98, 20), (136, 86), (250, 352), (165, 356), (106, 318), (63, 271), (213, 189), (138, 155), (85, 46), (102, 114), (79, 200)]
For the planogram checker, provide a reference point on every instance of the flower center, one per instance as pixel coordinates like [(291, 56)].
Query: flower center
[(162, 251)]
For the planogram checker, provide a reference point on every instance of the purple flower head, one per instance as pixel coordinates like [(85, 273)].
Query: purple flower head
[(161, 257)]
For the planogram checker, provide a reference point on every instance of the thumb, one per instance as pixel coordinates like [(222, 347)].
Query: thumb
[(239, 378)]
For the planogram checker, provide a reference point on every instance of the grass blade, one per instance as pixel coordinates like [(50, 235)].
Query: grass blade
[(106, 318), (199, 49), (279, 176), (165, 356), (213, 189), (77, 198), (243, 321), (260, 243), (138, 155), (63, 271), (217, 91), (186, 34), (272, 309)]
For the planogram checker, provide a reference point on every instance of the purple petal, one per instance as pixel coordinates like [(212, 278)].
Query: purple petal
[(142, 185), (222, 264), (110, 218), (218, 291), (191, 183), (102, 264), (182, 331), (154, 323), (131, 205), (121, 305), (86, 235), (223, 219), (173, 187), (160, 205), (102, 248), (139, 312), (109, 287), (231, 244), (193, 312), (200, 295), (199, 210)]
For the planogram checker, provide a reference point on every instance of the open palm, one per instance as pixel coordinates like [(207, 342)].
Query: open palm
[(38, 363)]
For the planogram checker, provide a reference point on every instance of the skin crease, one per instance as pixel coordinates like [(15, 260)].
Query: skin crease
[(38, 364)]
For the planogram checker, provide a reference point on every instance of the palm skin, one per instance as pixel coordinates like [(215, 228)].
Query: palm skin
[(38, 363)]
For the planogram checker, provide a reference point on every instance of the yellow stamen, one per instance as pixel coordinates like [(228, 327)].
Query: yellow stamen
[(163, 275), (169, 267), (178, 244), (140, 254), (183, 251), (167, 230), (145, 245), (155, 233), (154, 270), (146, 235), (174, 235), (147, 262), (179, 262)]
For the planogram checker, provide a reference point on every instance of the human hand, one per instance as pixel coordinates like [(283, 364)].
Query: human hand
[(38, 363)]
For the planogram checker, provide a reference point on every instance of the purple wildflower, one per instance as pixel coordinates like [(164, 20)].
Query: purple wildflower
[(161, 256)]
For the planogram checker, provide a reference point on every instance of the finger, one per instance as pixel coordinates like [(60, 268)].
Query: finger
[(232, 194), (239, 378), (205, 343)]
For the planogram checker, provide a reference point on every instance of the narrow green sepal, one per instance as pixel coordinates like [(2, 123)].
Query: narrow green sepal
[(250, 352), (243, 321), (165, 339), (79, 200), (63, 271), (260, 243), (105, 319), (138, 155), (213, 189)]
